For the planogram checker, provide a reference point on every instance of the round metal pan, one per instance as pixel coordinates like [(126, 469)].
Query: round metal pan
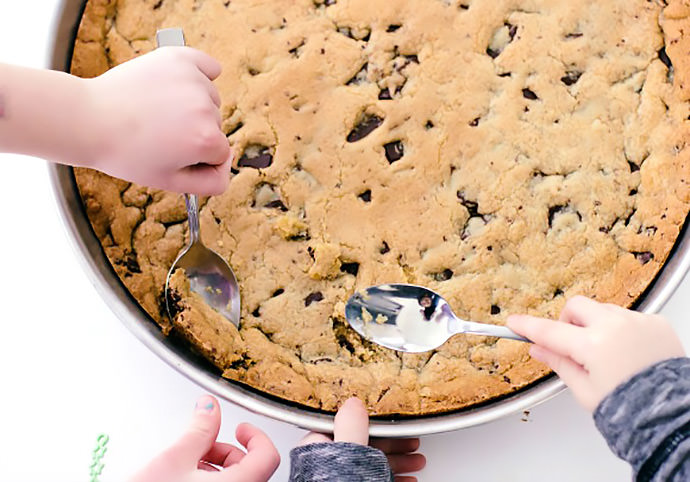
[(112, 290)]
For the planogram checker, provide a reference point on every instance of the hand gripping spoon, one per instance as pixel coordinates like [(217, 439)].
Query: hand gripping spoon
[(209, 275), (411, 318)]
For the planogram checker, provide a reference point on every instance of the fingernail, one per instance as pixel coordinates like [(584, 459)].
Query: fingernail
[(204, 404)]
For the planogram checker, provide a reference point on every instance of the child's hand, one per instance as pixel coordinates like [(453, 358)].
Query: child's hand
[(197, 457), (158, 122), (352, 425), (595, 347)]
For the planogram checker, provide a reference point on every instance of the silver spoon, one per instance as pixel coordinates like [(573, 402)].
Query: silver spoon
[(209, 275), (411, 318)]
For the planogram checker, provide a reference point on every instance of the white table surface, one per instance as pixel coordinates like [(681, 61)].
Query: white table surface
[(70, 371)]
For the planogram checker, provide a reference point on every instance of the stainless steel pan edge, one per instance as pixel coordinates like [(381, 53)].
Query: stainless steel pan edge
[(109, 286)]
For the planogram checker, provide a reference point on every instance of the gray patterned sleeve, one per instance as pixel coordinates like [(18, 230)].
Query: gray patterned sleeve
[(338, 462), (646, 421)]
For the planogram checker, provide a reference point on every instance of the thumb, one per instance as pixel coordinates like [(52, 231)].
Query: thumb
[(352, 423), (201, 434)]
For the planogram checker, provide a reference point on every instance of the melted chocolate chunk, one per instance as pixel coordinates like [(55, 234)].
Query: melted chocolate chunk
[(384, 248), (644, 257), (571, 77), (664, 58), (385, 94), (350, 268), (364, 127), (365, 196), (256, 156), (313, 298), (529, 94), (394, 151)]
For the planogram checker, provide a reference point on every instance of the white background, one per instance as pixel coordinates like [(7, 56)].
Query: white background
[(70, 371)]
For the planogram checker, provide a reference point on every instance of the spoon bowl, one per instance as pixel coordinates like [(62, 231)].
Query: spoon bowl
[(209, 275), (411, 318)]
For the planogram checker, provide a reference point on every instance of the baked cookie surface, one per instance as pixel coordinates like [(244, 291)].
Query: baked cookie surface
[(507, 154)]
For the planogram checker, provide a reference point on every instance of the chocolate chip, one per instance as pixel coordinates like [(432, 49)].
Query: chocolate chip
[(277, 204), (632, 192), (394, 151), (350, 268), (256, 313), (571, 77), (558, 292), (278, 292), (234, 171), (574, 35), (310, 251), (505, 74), (429, 125), (529, 94), (385, 248), (412, 58), (313, 298), (495, 310), (475, 122), (364, 127), (365, 196), (506, 379), (664, 58), (256, 156), (393, 28), (385, 94), (633, 167), (644, 257), (444, 275)]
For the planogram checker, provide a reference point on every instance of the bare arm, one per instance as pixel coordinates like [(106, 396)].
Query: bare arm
[(154, 120)]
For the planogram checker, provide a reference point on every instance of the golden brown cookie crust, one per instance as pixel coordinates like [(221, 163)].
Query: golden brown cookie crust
[(517, 155)]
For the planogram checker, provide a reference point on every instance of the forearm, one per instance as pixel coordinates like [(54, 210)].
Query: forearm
[(646, 421), (47, 114)]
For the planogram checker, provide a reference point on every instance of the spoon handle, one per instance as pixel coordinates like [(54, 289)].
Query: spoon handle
[(490, 330), (174, 37), (192, 203)]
